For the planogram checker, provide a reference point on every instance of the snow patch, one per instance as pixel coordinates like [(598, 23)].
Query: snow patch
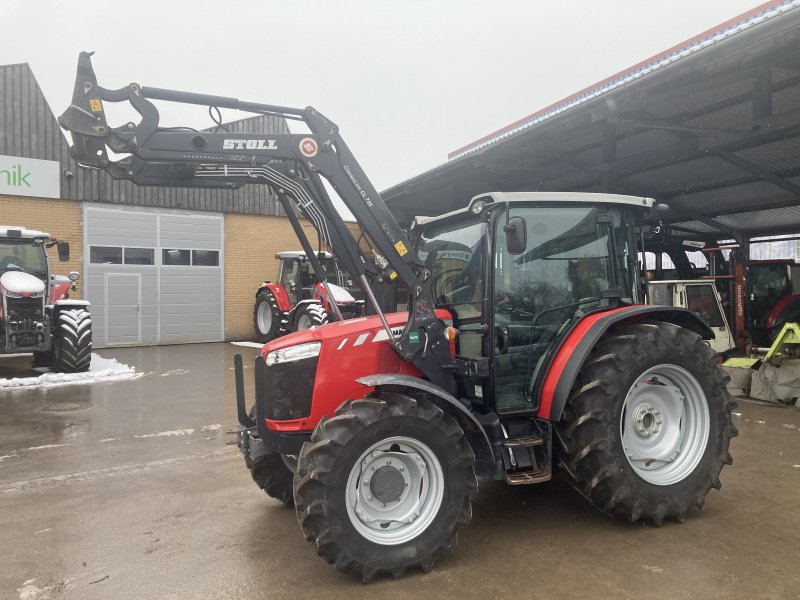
[(789, 426), (100, 370), (2, 458), (214, 427), (175, 372), (29, 591), (46, 446), (19, 282), (105, 440), (166, 433), (249, 344)]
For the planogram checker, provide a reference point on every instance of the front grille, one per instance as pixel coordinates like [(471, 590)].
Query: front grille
[(289, 388), (22, 308)]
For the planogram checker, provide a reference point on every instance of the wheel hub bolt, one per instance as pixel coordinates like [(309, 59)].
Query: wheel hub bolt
[(401, 468), (388, 461)]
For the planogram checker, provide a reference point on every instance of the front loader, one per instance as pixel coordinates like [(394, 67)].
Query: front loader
[(524, 348)]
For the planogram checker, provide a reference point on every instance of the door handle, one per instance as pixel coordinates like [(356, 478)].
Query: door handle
[(501, 333)]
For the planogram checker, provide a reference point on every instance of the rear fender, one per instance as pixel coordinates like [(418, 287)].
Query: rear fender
[(72, 304), (569, 359), (280, 294), (782, 311), (473, 430)]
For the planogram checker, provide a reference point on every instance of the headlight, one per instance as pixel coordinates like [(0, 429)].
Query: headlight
[(293, 353)]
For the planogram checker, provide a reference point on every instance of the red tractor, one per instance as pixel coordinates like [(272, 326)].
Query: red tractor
[(772, 289), (37, 315), (298, 300), (525, 350)]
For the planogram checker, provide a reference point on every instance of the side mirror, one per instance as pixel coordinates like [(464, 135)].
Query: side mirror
[(516, 235), (63, 251)]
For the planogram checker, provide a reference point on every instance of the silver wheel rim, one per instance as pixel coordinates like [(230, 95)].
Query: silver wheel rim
[(394, 491), (264, 317), (664, 424), (304, 322)]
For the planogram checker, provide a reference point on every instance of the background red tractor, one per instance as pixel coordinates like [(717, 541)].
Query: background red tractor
[(298, 300), (36, 314)]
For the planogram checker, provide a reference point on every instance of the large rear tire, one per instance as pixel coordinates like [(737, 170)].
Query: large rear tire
[(269, 320), (384, 485), (72, 341), (647, 427)]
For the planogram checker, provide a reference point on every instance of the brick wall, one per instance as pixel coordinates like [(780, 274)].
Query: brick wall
[(62, 219), (251, 243)]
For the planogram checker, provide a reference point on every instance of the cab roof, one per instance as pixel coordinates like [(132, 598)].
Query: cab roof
[(10, 231), (300, 254), (514, 197)]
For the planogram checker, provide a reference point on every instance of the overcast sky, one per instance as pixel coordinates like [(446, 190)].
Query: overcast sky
[(406, 80)]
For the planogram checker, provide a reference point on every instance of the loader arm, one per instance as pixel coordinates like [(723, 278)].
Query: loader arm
[(291, 164)]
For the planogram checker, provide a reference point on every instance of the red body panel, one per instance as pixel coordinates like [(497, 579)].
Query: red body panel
[(281, 296), (779, 307), (59, 291), (351, 349), (563, 356)]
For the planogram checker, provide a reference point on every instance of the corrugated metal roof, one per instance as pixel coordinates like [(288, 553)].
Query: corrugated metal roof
[(28, 128), (711, 127)]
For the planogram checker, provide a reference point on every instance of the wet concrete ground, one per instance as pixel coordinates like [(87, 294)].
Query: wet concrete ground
[(131, 493)]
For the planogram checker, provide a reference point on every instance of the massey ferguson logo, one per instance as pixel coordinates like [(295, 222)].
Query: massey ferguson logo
[(249, 145), (308, 147)]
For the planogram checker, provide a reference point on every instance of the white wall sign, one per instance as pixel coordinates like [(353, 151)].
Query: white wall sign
[(29, 177)]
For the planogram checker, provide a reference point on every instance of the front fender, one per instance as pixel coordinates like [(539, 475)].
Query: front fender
[(474, 431), (584, 336)]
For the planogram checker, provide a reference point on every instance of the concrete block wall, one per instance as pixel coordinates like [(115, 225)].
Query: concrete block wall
[(62, 219)]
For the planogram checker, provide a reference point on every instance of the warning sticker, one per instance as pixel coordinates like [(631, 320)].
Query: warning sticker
[(401, 248), (96, 105), (393, 275)]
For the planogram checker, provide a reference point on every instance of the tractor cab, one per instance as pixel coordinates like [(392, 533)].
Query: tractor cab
[(297, 276), (516, 271)]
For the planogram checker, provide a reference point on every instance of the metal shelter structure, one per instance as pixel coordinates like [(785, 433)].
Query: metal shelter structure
[(710, 127)]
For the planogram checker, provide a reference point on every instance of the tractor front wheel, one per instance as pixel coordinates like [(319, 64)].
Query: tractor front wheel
[(72, 341), (268, 319), (647, 427), (309, 316), (274, 473), (384, 485)]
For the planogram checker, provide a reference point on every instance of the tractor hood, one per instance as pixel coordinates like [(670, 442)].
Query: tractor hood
[(341, 295), (17, 282)]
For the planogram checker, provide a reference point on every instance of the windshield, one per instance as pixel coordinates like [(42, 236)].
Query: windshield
[(23, 255), (769, 280), (454, 255)]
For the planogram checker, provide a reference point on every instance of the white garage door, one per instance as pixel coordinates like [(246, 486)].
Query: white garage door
[(153, 277)]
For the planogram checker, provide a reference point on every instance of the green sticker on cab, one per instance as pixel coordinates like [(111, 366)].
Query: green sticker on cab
[(413, 338)]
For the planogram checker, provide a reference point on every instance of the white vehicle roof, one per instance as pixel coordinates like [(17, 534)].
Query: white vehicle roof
[(301, 254), (28, 234), (578, 197)]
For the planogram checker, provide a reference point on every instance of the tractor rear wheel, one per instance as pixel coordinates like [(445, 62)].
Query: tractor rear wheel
[(384, 485), (268, 319), (72, 341), (309, 316), (647, 427)]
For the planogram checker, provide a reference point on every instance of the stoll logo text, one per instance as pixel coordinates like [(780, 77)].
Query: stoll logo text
[(14, 177)]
